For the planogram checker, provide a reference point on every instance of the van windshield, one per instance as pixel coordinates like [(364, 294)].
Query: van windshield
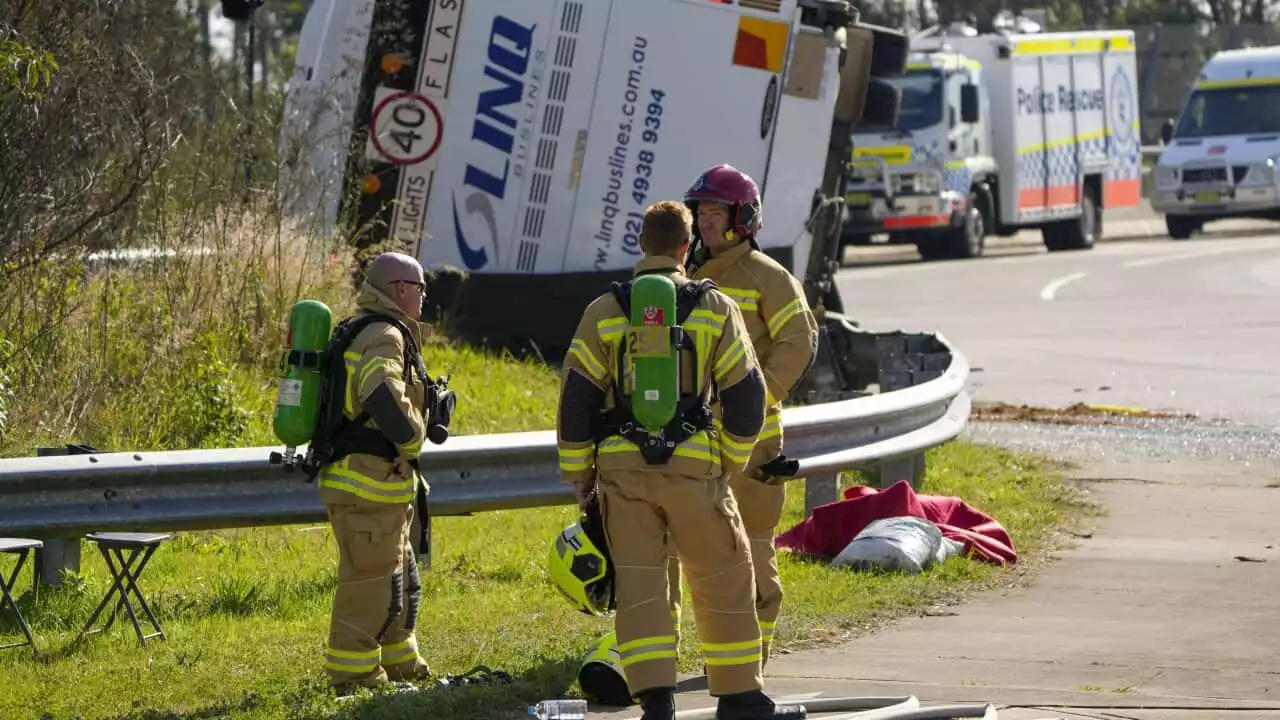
[(921, 100), (1231, 111)]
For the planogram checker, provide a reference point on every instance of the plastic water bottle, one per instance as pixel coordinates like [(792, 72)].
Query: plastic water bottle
[(560, 709)]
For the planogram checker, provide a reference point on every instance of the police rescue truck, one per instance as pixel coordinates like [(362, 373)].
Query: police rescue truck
[(1220, 158), (521, 141), (997, 133)]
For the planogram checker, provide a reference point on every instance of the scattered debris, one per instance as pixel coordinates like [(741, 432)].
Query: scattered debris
[(1074, 414), (1246, 558)]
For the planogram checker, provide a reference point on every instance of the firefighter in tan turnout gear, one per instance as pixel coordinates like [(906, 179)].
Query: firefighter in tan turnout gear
[(784, 334), (648, 497), (369, 489)]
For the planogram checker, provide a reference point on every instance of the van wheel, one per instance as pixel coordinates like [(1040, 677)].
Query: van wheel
[(1181, 227)]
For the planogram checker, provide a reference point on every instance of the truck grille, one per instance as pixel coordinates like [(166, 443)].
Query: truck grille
[(766, 5), (1204, 175)]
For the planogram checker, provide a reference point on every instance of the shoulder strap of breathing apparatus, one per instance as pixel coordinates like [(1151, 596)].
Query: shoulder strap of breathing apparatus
[(337, 436), (693, 411)]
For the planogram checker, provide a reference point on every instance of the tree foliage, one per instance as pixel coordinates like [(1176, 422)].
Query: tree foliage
[(80, 142)]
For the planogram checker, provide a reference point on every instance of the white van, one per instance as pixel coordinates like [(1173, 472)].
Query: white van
[(1220, 156)]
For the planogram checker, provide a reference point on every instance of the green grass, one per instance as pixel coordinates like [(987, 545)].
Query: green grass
[(246, 611)]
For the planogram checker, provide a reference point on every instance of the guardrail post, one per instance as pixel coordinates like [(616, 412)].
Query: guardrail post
[(58, 554), (820, 490), (907, 360)]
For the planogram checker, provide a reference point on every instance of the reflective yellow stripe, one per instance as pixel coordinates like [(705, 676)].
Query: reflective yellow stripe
[(766, 628), (657, 647), (745, 659), (1240, 84), (578, 348), (736, 445), (352, 661), (340, 476), (698, 447), (738, 451), (730, 358), (702, 339), (611, 329), (349, 395), (735, 653), (400, 652), (748, 300), (576, 458), (715, 321), (736, 456), (386, 364), (783, 316), (1122, 43), (772, 427)]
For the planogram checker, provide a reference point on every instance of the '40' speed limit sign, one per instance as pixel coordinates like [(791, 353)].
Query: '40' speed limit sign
[(406, 128)]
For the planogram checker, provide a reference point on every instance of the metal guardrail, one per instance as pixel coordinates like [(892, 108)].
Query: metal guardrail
[(71, 495)]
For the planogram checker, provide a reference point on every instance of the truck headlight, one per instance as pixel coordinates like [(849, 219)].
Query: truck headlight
[(1166, 177), (864, 173), (917, 184)]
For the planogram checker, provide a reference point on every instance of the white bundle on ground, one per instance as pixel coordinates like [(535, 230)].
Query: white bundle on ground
[(903, 543)]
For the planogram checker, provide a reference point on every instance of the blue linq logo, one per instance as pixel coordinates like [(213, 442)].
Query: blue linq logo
[(495, 129)]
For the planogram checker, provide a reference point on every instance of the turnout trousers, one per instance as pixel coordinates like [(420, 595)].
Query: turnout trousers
[(761, 508), (645, 511), (375, 606)]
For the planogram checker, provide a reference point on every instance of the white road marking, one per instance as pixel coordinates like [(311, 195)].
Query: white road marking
[(1162, 259), (1051, 289)]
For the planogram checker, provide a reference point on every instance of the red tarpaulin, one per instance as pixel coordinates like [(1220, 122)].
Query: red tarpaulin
[(834, 525)]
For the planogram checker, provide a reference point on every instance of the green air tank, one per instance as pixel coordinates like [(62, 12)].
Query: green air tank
[(298, 397), (655, 362)]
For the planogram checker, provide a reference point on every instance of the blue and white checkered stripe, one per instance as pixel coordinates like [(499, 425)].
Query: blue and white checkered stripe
[(957, 177), (1057, 165)]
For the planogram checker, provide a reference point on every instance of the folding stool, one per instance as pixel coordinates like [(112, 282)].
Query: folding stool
[(125, 577), (20, 546)]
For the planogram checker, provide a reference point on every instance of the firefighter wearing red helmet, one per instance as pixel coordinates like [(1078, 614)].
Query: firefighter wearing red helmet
[(727, 216)]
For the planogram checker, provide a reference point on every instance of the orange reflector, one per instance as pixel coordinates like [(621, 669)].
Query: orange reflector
[(392, 63), (371, 184)]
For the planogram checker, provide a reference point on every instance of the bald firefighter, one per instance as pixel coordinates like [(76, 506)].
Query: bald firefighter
[(670, 486), (727, 210), (369, 487)]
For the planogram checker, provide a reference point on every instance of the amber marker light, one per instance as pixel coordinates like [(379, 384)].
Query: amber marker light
[(392, 63)]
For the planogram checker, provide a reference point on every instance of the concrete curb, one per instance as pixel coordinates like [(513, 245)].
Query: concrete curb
[(1140, 228), (1113, 230)]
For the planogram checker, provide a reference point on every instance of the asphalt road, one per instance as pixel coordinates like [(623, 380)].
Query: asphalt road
[(1191, 326)]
